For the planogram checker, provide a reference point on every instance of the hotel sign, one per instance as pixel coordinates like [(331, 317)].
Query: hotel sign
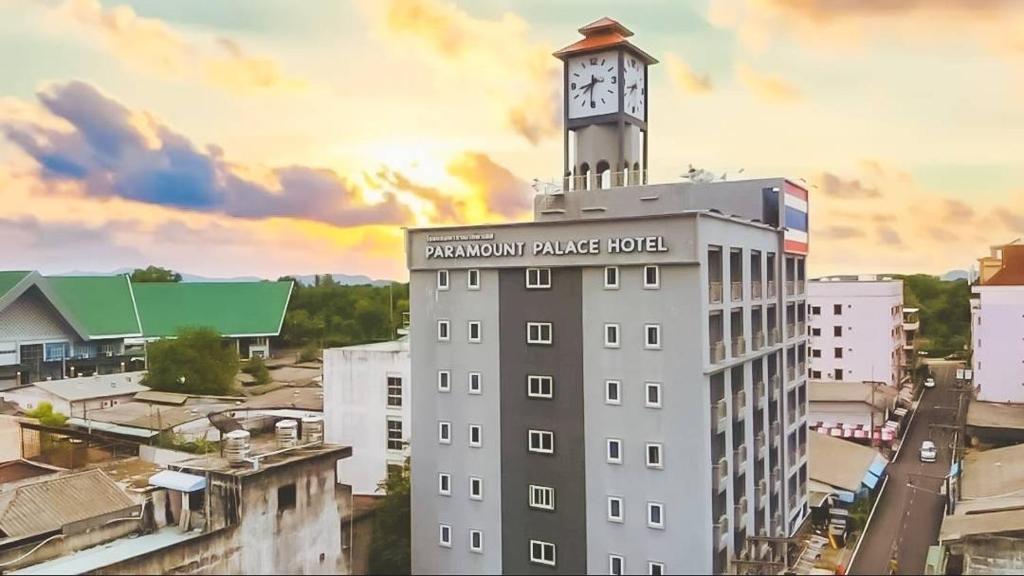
[(484, 246)]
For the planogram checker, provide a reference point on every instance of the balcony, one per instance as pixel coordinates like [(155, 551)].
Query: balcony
[(790, 417), (758, 340), (759, 390), (802, 369), (719, 417), (776, 434), (722, 532), (761, 493), (801, 286), (774, 338), (908, 346), (792, 502), (790, 330), (772, 293), (801, 328), (722, 474), (739, 405), (790, 373), (717, 352), (802, 410), (742, 508), (739, 346), (790, 288), (755, 290), (773, 388), (761, 445), (741, 459), (803, 451), (736, 291), (715, 292), (776, 480), (911, 326)]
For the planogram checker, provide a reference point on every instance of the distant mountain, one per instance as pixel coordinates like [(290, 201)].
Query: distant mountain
[(953, 275), (304, 279)]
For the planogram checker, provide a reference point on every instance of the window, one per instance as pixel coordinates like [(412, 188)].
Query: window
[(394, 392), (815, 331), (612, 392), (476, 541), (815, 353), (473, 279), (445, 536), (285, 497), (652, 277), (53, 352), (838, 374), (611, 277), (442, 279), (614, 509), (395, 434), (655, 568), (475, 435), (816, 374), (443, 331), (616, 565), (542, 497), (542, 552), (444, 381), (474, 331), (538, 278), (652, 336), (444, 432), (475, 384), (476, 488), (654, 455), (613, 453), (838, 352), (540, 386), (611, 335), (655, 515), (816, 310), (837, 331), (444, 484), (538, 332), (542, 442), (837, 309), (653, 396)]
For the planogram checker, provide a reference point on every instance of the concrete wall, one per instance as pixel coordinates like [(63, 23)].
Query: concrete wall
[(356, 411), (999, 344)]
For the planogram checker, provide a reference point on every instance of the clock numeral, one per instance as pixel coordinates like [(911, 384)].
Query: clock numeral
[(593, 104), (615, 79), (593, 61), (572, 86)]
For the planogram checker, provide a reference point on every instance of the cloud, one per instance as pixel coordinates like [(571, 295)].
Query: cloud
[(822, 10), (832, 185), (684, 78), (767, 87), (1012, 219), (840, 232), (152, 45), (888, 235), (493, 56), (957, 212), (31, 240), (504, 193)]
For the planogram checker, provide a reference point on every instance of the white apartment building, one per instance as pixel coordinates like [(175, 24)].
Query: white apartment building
[(367, 404), (997, 327), (856, 329)]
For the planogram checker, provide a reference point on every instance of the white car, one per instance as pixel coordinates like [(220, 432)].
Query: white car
[(928, 451), (929, 383)]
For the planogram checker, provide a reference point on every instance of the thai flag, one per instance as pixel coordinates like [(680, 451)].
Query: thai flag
[(795, 218)]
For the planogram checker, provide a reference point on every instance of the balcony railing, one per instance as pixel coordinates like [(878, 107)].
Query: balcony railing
[(802, 410), (739, 405), (776, 480), (790, 373), (741, 459), (722, 532), (774, 337), (717, 352), (792, 502), (759, 389), (755, 290), (802, 369), (761, 445), (736, 291), (596, 181), (801, 286), (715, 292), (758, 342), (742, 508), (790, 417), (739, 346), (790, 330), (772, 292), (801, 328), (803, 451), (790, 288), (773, 388)]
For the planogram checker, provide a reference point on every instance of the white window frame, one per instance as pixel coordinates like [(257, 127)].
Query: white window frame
[(544, 546), (651, 565), (539, 503), (441, 477), (476, 549), (661, 514), (401, 428), (443, 425), (479, 387), (657, 277), (608, 385), (479, 495), (442, 530), (540, 380), (611, 517), (447, 331), (611, 564), (648, 386), (446, 283), (618, 336), (611, 285), (470, 285), (647, 343), (539, 284), (540, 434), (391, 395), (479, 435), (444, 381), (661, 455), (540, 333), (608, 450), (479, 331)]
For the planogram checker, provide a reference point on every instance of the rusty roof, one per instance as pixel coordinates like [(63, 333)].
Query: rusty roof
[(1012, 271), (601, 34), (50, 504)]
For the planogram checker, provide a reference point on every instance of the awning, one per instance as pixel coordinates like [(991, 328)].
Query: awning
[(179, 481), (878, 466)]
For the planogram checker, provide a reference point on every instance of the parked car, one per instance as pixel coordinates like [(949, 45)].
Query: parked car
[(928, 451), (929, 383)]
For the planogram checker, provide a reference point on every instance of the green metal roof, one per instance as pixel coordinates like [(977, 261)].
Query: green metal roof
[(230, 308), (102, 305), (9, 280)]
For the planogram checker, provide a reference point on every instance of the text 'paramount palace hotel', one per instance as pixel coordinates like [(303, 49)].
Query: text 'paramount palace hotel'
[(619, 385)]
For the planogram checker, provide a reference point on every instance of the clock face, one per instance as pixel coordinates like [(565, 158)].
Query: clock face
[(634, 86), (594, 84)]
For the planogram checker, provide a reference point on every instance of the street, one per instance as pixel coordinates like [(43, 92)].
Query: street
[(909, 512)]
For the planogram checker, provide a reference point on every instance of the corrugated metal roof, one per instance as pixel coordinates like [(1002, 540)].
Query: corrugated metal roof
[(838, 462), (98, 386), (230, 308), (992, 473), (103, 304), (9, 280), (158, 397), (50, 504)]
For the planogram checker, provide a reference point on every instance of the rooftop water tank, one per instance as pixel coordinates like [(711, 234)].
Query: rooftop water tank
[(236, 447), (312, 430), (287, 432)]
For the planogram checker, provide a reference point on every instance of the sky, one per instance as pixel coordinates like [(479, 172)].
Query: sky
[(274, 137)]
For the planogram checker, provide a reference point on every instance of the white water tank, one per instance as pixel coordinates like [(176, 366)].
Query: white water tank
[(287, 433), (312, 430), (236, 447)]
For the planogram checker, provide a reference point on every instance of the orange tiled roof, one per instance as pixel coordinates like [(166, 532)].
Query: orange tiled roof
[(1012, 272), (600, 35)]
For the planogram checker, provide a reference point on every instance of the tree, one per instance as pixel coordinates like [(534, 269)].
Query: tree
[(198, 361), (945, 312), (46, 416), (390, 549), (155, 274), (331, 314), (257, 368)]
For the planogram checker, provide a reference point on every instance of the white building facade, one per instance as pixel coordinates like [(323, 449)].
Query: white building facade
[(367, 405), (856, 329)]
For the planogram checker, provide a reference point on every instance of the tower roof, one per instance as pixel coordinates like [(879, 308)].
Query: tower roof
[(602, 34)]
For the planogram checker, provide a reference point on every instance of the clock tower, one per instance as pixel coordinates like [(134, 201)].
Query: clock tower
[(605, 108)]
